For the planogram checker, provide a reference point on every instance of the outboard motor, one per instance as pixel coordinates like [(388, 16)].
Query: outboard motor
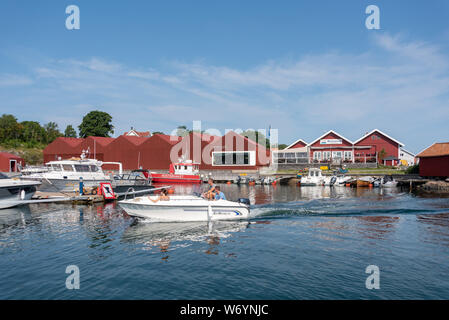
[(333, 180), (244, 201)]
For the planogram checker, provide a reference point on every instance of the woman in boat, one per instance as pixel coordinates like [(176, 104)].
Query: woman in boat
[(162, 197)]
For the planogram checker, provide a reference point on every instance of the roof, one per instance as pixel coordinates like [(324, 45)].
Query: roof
[(70, 141), (382, 133), (329, 132), (102, 140), (299, 140), (410, 153), (169, 139), (435, 150), (9, 155), (390, 158), (135, 140), (134, 133)]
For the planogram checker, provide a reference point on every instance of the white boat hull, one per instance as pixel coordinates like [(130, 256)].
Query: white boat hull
[(185, 209)]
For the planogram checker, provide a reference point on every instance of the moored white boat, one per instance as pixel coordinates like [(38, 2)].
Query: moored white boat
[(186, 208), (13, 191), (313, 178)]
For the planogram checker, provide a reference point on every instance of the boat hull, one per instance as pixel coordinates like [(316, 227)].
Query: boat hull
[(174, 178), (67, 185), (11, 197), (201, 210)]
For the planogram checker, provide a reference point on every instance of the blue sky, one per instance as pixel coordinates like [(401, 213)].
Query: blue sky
[(303, 67)]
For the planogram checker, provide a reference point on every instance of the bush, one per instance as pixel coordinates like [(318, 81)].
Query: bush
[(413, 169)]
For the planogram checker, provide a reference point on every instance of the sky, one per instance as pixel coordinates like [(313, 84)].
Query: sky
[(302, 67)]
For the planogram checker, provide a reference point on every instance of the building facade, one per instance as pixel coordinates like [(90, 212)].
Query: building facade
[(434, 161), (375, 147), (10, 162)]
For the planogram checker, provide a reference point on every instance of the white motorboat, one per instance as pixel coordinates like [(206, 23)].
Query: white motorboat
[(336, 180), (388, 182), (313, 178), (65, 175), (184, 208), (13, 191)]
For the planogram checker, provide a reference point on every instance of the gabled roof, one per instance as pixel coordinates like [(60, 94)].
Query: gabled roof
[(168, 138), (329, 132), (410, 153), (382, 133), (299, 140), (104, 141), (134, 133), (9, 155), (435, 150), (135, 140), (70, 141)]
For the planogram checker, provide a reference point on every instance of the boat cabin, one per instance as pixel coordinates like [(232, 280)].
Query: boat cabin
[(72, 167), (184, 168), (314, 172)]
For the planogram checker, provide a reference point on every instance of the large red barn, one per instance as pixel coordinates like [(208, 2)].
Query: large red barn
[(376, 141), (63, 148)]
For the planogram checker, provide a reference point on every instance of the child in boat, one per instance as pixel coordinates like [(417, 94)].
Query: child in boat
[(218, 194), (162, 197), (210, 194)]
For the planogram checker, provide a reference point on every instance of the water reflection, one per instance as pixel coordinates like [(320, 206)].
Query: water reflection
[(163, 237), (18, 216), (434, 228)]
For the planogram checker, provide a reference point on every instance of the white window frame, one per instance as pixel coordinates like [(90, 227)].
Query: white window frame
[(345, 157), (317, 155)]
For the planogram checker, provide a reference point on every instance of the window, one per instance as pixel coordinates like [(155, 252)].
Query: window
[(317, 155), (337, 154), (67, 167), (348, 155), (81, 168), (326, 155), (233, 158), (56, 167), (93, 168)]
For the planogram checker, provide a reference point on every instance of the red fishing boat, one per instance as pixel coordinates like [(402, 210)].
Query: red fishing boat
[(182, 172)]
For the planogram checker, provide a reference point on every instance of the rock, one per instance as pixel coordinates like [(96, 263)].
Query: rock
[(435, 186)]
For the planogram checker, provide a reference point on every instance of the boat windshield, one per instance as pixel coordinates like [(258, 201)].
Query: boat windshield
[(81, 168), (3, 176)]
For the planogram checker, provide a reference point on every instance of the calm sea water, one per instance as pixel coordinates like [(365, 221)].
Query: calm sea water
[(303, 243)]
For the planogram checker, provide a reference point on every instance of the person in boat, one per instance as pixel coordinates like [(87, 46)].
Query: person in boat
[(162, 197), (210, 194), (218, 194)]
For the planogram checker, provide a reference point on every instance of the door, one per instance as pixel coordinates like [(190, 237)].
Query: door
[(12, 166)]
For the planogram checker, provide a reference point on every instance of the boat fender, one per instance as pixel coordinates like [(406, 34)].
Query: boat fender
[(244, 201)]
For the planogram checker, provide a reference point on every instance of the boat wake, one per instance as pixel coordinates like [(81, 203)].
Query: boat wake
[(342, 207)]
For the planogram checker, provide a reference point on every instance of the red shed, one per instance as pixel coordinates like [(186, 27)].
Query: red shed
[(64, 148), (434, 161), (10, 162), (298, 144), (376, 141)]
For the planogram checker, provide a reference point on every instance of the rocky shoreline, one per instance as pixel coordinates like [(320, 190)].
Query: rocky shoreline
[(440, 187)]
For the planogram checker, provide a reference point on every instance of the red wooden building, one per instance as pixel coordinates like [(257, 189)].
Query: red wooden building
[(376, 141), (434, 161), (10, 162)]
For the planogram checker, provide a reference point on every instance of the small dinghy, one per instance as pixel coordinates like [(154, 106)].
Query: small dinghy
[(186, 208)]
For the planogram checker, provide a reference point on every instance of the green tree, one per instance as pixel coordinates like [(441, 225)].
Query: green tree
[(158, 132), (96, 123), (182, 131), (282, 146), (33, 133), (52, 131), (10, 129), (70, 132)]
